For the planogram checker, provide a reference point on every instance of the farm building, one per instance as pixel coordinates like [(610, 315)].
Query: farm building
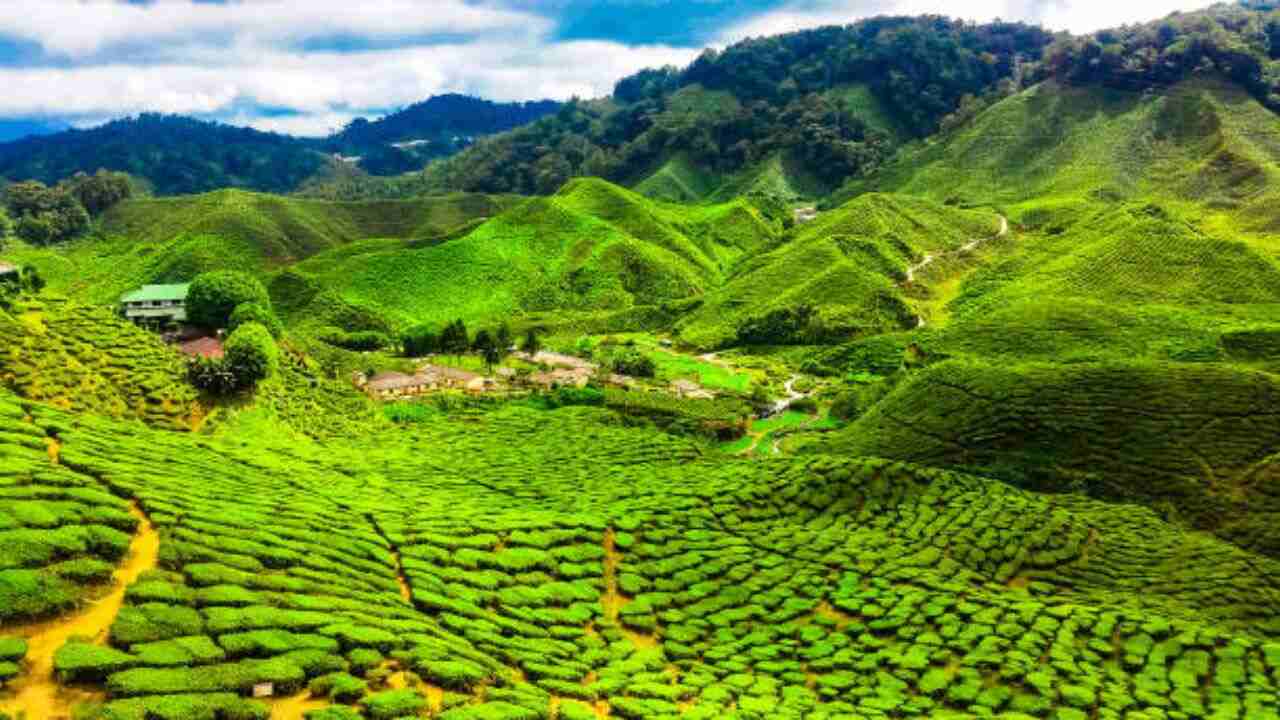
[(430, 378), (8, 272), (156, 304), (391, 385)]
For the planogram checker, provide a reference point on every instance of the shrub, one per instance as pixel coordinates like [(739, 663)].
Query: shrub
[(340, 687), (420, 340), (227, 706), (570, 396), (155, 621), (27, 594), (196, 650), (394, 704), (211, 375), (12, 649), (274, 642), (230, 677), (251, 354), (253, 312), (363, 341), (86, 662), (214, 296), (630, 361)]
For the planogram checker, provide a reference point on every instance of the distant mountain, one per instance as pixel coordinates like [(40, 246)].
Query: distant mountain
[(441, 126), (180, 155), (176, 155)]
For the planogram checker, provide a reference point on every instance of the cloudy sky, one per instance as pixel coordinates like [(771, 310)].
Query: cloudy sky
[(309, 66)]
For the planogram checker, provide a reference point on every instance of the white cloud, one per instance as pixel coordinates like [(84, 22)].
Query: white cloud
[(76, 28), (234, 60), (1077, 16), (324, 90)]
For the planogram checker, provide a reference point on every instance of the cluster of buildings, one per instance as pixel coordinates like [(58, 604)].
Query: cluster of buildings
[(428, 379)]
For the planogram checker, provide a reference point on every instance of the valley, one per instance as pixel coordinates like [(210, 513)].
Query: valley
[(949, 395)]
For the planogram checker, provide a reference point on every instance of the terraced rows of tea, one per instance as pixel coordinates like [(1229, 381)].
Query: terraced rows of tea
[(535, 564), (85, 358)]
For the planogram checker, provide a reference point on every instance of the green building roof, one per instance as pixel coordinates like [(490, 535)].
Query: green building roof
[(151, 293)]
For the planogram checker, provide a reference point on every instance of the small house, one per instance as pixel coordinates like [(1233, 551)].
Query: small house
[(156, 304), (9, 272)]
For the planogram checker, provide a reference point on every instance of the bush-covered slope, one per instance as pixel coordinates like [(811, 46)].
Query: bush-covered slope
[(592, 247), (174, 239), (524, 560), (1055, 147), (1197, 443), (840, 276)]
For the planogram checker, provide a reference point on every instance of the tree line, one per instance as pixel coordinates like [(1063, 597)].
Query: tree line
[(920, 69), (44, 215), (1239, 41)]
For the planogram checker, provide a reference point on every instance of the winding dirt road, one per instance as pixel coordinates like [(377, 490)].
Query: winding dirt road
[(967, 247)]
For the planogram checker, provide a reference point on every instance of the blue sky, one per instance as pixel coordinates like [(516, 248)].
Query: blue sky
[(310, 66)]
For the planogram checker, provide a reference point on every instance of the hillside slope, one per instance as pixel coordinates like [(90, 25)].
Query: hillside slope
[(174, 239), (592, 247), (1049, 150), (840, 276), (1198, 443)]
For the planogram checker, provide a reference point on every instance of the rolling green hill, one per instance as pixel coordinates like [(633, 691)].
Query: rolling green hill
[(848, 267), (1053, 148), (174, 239), (593, 247), (1197, 443)]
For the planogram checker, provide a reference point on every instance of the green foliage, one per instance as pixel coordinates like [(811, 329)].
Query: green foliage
[(101, 191), (86, 662), (363, 341), (752, 102), (1237, 41), (251, 354), (391, 704), (630, 361), (45, 215), (247, 312), (214, 296)]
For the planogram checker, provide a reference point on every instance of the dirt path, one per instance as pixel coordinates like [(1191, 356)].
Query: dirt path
[(966, 248), (37, 692), (793, 395)]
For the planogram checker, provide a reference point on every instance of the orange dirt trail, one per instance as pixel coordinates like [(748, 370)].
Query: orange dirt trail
[(36, 692)]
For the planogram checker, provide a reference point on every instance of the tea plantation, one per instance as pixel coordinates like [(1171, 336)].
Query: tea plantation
[(992, 434), (530, 564)]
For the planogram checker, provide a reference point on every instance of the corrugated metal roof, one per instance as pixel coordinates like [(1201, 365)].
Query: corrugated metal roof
[(6, 268), (151, 293)]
